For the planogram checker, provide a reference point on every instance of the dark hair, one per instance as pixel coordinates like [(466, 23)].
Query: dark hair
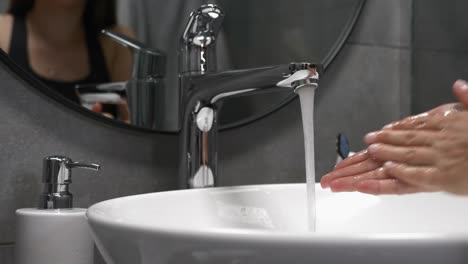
[(98, 14)]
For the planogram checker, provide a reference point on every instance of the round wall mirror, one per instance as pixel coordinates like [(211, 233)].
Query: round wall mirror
[(252, 34)]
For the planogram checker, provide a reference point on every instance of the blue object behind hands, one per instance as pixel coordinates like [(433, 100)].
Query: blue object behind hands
[(342, 146)]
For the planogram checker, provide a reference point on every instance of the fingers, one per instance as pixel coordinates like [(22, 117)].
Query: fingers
[(460, 89), (422, 121), (446, 109), (351, 170), (401, 137), (386, 186), (408, 155), (406, 147), (348, 184), (123, 111), (97, 107), (356, 158), (425, 177)]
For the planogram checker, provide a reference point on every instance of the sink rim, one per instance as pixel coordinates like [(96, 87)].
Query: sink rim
[(267, 236)]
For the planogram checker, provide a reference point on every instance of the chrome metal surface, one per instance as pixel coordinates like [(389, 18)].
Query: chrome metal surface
[(304, 82), (56, 177), (145, 90), (202, 89), (198, 42), (146, 61), (199, 146)]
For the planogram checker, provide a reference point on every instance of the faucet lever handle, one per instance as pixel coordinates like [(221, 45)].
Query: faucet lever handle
[(146, 61), (203, 25), (125, 41)]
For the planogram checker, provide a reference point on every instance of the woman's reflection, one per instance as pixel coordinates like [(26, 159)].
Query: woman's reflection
[(59, 42)]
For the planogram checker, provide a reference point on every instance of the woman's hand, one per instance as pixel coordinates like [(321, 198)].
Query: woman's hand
[(123, 113), (427, 152)]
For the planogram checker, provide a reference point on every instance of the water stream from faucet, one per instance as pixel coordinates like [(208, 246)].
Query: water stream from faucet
[(306, 96)]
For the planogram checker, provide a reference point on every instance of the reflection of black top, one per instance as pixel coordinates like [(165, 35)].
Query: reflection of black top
[(97, 63)]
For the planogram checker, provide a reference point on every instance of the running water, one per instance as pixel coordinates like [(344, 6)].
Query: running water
[(306, 96)]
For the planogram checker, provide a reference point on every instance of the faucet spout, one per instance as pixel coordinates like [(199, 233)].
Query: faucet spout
[(211, 88), (199, 121)]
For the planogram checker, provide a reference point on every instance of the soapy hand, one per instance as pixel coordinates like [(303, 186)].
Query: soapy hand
[(422, 153)]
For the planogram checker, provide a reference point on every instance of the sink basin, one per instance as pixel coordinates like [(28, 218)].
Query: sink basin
[(267, 224)]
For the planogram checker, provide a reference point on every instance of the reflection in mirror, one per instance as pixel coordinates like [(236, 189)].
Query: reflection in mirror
[(59, 42)]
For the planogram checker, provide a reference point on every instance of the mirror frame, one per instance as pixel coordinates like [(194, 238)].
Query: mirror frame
[(22, 74)]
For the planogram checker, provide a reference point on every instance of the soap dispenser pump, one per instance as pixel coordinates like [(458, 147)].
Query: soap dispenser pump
[(54, 232)]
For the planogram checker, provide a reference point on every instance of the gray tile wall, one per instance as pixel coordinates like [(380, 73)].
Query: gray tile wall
[(4, 6), (6, 254), (440, 51), (384, 23), (361, 92)]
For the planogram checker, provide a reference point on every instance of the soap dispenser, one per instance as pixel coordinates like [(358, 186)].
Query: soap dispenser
[(54, 232)]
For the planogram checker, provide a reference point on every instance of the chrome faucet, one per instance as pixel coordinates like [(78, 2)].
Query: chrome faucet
[(202, 88), (145, 89)]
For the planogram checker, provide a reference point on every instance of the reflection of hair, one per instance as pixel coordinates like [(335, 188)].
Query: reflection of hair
[(98, 14)]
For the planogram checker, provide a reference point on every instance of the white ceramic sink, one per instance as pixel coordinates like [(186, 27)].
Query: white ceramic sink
[(267, 224)]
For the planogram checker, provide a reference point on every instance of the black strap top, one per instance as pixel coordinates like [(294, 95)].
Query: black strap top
[(97, 63)]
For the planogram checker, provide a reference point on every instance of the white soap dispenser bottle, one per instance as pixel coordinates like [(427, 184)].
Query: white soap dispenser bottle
[(55, 232)]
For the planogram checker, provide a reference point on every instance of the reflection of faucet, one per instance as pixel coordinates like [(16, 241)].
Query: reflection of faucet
[(145, 89), (201, 88)]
